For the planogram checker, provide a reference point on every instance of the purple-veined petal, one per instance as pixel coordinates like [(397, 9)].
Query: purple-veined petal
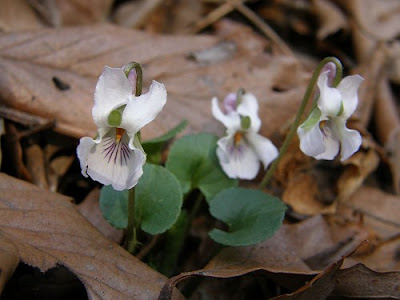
[(230, 120), (237, 161), (311, 140), (112, 162), (112, 91), (348, 88), (266, 151), (143, 109), (249, 107), (330, 100)]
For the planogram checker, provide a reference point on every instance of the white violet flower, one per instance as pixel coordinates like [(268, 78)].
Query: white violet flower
[(242, 149), (116, 156), (325, 131)]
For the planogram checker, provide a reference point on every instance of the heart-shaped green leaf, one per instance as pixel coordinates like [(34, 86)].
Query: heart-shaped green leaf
[(158, 201), (193, 160), (252, 216)]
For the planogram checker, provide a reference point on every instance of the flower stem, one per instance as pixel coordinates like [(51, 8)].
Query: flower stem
[(139, 75), (303, 105), (131, 236)]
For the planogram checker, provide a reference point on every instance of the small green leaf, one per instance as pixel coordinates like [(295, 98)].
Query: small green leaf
[(252, 216), (158, 199), (312, 119), (193, 160), (154, 147), (114, 206)]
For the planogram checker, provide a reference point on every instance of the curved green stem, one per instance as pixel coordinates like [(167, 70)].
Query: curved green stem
[(139, 75), (303, 105)]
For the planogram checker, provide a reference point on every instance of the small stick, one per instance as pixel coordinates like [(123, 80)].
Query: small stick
[(214, 16), (260, 24)]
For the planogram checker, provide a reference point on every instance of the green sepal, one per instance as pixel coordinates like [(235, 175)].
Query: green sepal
[(312, 120), (115, 118), (341, 110), (245, 122)]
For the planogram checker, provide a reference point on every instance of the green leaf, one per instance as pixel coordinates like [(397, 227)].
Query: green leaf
[(114, 206), (193, 160), (158, 199), (252, 216), (153, 147)]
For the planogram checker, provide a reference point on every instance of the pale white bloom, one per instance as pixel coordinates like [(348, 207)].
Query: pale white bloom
[(116, 156), (325, 132), (242, 149)]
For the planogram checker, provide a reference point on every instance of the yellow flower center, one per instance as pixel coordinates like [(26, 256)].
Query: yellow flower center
[(237, 137), (119, 132)]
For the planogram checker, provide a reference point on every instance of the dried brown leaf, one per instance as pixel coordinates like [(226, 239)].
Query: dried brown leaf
[(358, 168), (387, 120), (380, 210), (90, 209), (17, 15), (294, 251), (331, 18), (302, 194), (29, 61), (73, 12), (45, 229)]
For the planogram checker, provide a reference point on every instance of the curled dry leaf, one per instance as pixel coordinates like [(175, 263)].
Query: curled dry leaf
[(43, 229), (303, 195), (358, 168)]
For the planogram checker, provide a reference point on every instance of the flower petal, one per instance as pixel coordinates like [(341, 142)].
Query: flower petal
[(85, 145), (143, 109), (115, 163), (331, 142), (350, 143), (311, 140), (348, 88), (266, 151), (330, 100), (238, 161), (350, 140), (249, 107), (112, 91), (230, 120)]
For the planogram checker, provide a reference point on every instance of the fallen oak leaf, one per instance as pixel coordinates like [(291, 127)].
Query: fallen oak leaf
[(46, 229)]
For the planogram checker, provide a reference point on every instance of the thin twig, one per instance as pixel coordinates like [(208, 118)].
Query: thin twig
[(260, 24), (214, 16)]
